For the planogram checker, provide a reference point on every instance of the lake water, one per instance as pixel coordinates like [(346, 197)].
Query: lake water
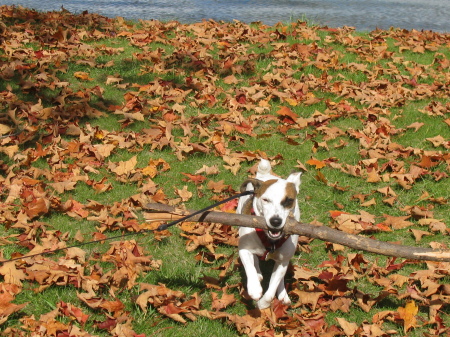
[(361, 14)]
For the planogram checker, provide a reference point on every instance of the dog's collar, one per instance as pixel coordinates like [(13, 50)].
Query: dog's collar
[(270, 245)]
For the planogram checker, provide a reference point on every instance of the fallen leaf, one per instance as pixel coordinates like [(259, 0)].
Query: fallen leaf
[(317, 163), (408, 315), (220, 303), (184, 194), (11, 274), (81, 75), (348, 327), (124, 167)]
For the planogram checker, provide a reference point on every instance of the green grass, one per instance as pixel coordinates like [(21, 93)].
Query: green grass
[(179, 60)]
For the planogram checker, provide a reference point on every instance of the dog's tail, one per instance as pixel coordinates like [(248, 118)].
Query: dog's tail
[(264, 167)]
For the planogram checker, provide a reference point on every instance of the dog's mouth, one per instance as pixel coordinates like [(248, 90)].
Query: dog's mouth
[(274, 234)]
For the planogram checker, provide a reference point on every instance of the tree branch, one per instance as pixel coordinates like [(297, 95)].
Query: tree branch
[(316, 232)]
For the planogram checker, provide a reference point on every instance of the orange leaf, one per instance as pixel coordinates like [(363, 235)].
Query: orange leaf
[(317, 163), (113, 306), (81, 75), (195, 178), (76, 209), (335, 214), (37, 207), (230, 206), (285, 111), (173, 312), (408, 315), (383, 227)]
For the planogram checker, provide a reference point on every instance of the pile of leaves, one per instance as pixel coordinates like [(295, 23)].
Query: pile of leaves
[(207, 93)]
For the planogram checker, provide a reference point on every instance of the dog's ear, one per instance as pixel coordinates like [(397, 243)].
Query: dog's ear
[(295, 179), (251, 181)]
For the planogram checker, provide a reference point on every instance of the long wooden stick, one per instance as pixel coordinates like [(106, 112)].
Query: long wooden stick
[(316, 232)]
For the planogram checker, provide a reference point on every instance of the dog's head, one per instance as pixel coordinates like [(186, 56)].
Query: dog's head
[(274, 199)]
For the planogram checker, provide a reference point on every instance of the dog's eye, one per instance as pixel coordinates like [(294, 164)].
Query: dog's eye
[(265, 200), (287, 202)]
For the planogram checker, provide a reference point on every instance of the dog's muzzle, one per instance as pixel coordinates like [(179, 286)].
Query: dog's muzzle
[(275, 232)]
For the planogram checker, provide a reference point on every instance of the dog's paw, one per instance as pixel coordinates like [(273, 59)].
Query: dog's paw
[(255, 291), (263, 303), (284, 298)]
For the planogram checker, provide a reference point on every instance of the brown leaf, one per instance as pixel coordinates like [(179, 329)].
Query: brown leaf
[(321, 177), (170, 310), (349, 328), (224, 301), (398, 222), (63, 186), (307, 298), (438, 141), (217, 187), (416, 126), (69, 310), (342, 304), (6, 307), (4, 129), (124, 167), (208, 170), (418, 234), (368, 203), (11, 274), (373, 177), (79, 236)]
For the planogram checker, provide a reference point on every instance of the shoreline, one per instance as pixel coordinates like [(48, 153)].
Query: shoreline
[(292, 18)]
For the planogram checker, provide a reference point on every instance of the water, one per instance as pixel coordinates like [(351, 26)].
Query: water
[(364, 15)]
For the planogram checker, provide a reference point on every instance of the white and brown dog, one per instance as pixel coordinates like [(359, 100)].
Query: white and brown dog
[(274, 199)]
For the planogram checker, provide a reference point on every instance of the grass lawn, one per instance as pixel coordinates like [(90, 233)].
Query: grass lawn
[(99, 117)]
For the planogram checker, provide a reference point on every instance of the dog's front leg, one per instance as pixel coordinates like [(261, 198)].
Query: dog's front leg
[(254, 276), (277, 278), (282, 293)]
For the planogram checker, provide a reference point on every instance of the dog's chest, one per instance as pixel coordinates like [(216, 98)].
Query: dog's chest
[(260, 245), (271, 248)]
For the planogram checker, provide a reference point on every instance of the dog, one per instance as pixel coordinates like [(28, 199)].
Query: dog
[(274, 199)]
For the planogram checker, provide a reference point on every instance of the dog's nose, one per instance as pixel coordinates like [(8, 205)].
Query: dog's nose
[(276, 221)]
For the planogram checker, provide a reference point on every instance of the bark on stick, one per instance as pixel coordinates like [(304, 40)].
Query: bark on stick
[(316, 232)]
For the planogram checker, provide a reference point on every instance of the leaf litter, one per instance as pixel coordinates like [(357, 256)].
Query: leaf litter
[(216, 67)]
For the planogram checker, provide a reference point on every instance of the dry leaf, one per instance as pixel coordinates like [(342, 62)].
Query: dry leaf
[(408, 315)]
